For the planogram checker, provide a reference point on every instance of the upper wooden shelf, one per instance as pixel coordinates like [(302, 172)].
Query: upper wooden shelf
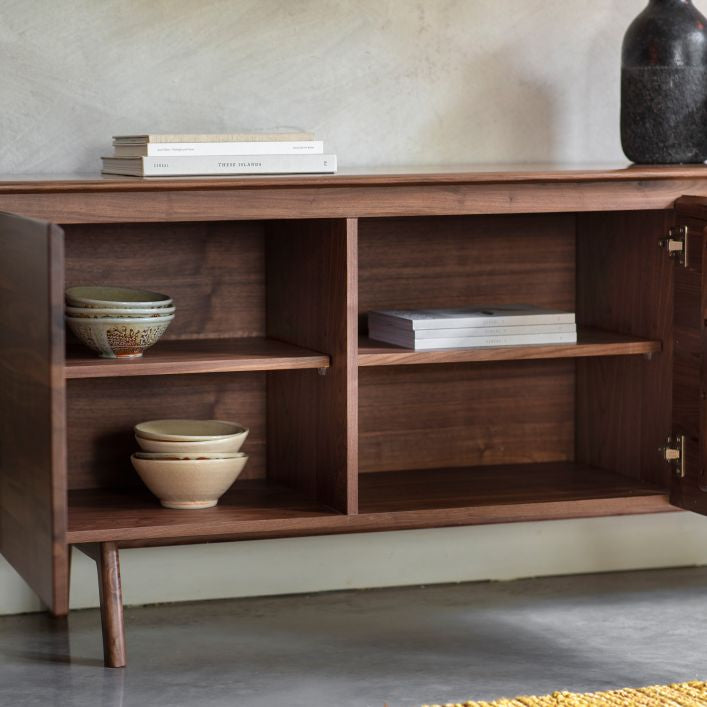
[(363, 176), (590, 342), (197, 356)]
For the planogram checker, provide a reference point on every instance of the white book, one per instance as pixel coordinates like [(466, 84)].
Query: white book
[(240, 136), (474, 342), (409, 337), (262, 147), (183, 166), (506, 315)]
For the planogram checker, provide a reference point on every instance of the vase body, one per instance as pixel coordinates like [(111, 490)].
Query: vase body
[(664, 85)]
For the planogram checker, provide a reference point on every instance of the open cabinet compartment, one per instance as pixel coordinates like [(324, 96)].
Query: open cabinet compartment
[(516, 426), (252, 334)]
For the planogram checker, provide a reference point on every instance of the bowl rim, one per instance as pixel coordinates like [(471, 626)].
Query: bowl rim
[(121, 320), (242, 430), (151, 297), (128, 310), (197, 445), (203, 456)]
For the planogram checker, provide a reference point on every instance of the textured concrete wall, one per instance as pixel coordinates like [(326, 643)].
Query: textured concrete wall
[(383, 82)]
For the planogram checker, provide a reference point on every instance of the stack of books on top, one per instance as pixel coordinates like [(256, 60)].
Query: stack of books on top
[(509, 325), (275, 152)]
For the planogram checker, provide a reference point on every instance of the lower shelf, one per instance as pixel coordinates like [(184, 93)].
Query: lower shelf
[(393, 500)]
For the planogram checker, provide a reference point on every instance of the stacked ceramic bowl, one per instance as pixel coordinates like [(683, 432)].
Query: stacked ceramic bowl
[(118, 322), (189, 464)]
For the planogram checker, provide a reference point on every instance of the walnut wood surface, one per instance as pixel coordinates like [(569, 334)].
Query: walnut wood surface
[(32, 443), (413, 263), (321, 201), (418, 175), (389, 501), (311, 302), (197, 356), (101, 413), (689, 413), (215, 272), (590, 342), (624, 283), (465, 415)]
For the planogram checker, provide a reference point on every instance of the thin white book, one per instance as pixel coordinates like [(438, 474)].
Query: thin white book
[(186, 166), (262, 147), (474, 342), (409, 337), (505, 315), (240, 136)]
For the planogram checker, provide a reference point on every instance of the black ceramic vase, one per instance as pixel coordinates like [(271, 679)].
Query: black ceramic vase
[(664, 85)]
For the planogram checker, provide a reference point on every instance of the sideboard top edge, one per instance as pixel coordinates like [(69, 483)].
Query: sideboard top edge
[(357, 177)]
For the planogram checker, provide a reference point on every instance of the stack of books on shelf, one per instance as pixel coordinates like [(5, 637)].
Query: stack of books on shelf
[(274, 152), (509, 325)]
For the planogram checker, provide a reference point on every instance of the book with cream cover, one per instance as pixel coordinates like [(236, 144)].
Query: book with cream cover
[(285, 134), (261, 147), (209, 165)]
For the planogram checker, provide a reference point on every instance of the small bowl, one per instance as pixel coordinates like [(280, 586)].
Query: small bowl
[(188, 430), (119, 338), (188, 484), (118, 313), (109, 297), (224, 445), (188, 456)]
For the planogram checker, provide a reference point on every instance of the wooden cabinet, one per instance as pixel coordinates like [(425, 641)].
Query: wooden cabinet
[(272, 278)]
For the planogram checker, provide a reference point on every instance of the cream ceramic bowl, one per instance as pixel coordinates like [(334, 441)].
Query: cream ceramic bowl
[(189, 483), (110, 297), (222, 444), (119, 338), (190, 456), (118, 313), (188, 430)]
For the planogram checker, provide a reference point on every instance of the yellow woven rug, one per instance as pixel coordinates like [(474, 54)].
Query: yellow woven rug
[(686, 694)]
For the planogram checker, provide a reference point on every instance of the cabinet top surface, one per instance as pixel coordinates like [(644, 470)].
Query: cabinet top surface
[(360, 177)]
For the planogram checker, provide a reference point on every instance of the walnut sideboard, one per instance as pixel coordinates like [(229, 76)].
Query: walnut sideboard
[(272, 277)]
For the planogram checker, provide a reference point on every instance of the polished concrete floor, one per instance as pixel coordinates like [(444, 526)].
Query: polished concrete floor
[(394, 647)]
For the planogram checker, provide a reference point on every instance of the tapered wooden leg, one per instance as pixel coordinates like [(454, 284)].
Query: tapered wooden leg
[(111, 593), (111, 605)]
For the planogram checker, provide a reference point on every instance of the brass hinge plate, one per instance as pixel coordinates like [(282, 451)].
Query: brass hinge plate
[(675, 244), (674, 454)]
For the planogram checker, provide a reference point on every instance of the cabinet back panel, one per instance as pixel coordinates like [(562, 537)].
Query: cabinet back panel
[(101, 413), (419, 417), (465, 261), (214, 271)]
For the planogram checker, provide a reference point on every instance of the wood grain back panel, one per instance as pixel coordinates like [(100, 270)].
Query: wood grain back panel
[(214, 271), (311, 301), (466, 261), (102, 412), (417, 417), (32, 446), (625, 284)]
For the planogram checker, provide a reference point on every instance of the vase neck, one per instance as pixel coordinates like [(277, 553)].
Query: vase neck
[(668, 3)]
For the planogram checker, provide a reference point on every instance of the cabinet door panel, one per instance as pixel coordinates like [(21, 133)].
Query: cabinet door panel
[(32, 440), (688, 488)]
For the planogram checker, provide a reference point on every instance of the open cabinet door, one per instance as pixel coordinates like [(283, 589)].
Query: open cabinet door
[(686, 451), (32, 401)]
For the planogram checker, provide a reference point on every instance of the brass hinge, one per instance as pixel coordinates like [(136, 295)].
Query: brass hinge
[(674, 453), (676, 244)]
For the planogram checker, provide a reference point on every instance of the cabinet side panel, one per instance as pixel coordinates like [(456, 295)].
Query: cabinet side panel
[(625, 284), (32, 419), (311, 301)]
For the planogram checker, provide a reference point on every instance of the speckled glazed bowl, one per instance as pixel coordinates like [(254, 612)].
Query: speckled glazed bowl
[(109, 297), (118, 313), (119, 338), (188, 430), (233, 443), (189, 484)]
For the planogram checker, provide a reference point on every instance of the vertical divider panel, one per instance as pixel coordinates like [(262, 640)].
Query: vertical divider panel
[(312, 301), (33, 514)]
